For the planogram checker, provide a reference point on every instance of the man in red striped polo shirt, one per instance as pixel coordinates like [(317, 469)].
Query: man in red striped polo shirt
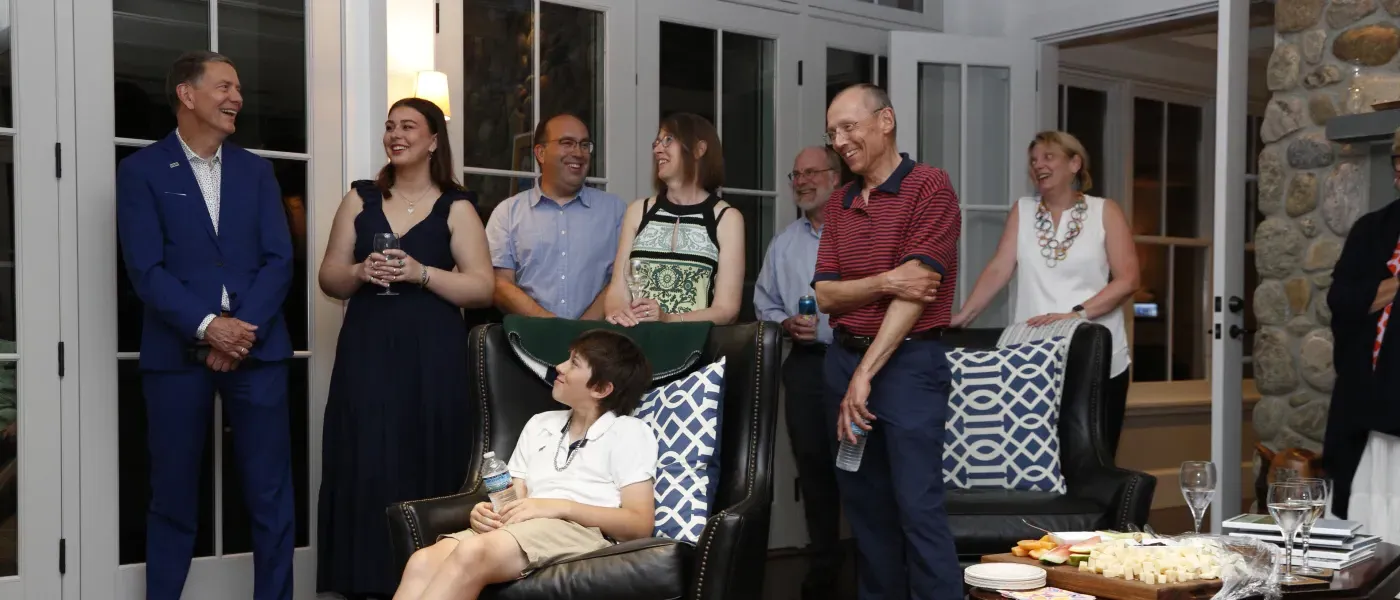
[(886, 271)]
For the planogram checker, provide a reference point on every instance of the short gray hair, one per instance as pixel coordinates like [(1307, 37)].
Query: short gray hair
[(189, 69)]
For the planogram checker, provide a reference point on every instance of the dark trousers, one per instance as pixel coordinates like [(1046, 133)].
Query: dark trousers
[(179, 406), (811, 429), (895, 502)]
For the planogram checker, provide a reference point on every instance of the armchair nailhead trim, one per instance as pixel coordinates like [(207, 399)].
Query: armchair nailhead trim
[(753, 458)]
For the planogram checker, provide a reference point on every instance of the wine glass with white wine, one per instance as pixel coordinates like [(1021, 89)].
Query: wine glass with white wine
[(1198, 481), (1318, 490), (1289, 503)]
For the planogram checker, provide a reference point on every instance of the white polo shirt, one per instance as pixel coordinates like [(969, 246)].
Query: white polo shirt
[(620, 451)]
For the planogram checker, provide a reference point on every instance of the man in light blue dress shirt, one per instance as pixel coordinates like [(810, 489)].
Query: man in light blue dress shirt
[(786, 277), (553, 245)]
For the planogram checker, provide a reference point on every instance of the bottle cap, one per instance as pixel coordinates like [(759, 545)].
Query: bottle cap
[(489, 455)]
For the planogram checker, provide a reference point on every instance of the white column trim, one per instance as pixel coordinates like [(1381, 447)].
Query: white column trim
[(365, 67), (1231, 107)]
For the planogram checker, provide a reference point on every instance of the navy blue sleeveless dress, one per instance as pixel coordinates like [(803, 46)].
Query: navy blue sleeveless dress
[(396, 418)]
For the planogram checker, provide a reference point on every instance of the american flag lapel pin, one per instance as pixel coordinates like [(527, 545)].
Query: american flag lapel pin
[(174, 164)]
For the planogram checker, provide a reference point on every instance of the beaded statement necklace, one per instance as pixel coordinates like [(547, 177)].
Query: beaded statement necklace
[(1053, 250)]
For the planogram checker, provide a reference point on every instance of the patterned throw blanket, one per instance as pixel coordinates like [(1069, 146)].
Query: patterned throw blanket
[(1022, 333)]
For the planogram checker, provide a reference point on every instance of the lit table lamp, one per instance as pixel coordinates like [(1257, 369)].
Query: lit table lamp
[(432, 86)]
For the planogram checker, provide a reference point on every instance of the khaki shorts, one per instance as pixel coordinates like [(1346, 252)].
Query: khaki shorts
[(546, 541)]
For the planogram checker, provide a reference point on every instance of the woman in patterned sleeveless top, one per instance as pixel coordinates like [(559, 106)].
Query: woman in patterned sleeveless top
[(1361, 450), (680, 256)]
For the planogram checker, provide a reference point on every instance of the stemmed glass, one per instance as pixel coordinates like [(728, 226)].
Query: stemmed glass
[(1319, 490), (636, 277), (1289, 503), (1198, 486), (382, 242)]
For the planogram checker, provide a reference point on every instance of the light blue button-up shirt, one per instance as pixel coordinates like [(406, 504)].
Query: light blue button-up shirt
[(787, 275), (562, 255)]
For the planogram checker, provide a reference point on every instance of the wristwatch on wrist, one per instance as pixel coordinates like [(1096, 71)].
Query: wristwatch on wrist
[(1079, 310)]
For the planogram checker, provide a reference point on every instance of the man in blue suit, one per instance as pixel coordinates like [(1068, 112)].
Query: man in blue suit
[(207, 249)]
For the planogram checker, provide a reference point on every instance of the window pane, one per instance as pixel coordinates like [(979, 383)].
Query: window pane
[(571, 70), (8, 258), (133, 462), (687, 71), (267, 41), (1147, 167), (237, 525), (1151, 308), (6, 73), (983, 233), (988, 122), (491, 190), (758, 231), (148, 35), (1183, 170), (1190, 306), (291, 176), (844, 69), (9, 462), (748, 112), (498, 89), (1086, 112), (940, 119)]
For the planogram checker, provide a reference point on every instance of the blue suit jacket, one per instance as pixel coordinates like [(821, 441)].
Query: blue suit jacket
[(178, 265)]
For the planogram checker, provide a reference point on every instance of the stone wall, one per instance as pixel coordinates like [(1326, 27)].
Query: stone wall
[(1310, 191)]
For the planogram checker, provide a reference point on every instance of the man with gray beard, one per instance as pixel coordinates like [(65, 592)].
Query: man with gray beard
[(787, 277)]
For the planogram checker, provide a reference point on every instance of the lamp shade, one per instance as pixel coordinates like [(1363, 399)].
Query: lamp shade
[(432, 86)]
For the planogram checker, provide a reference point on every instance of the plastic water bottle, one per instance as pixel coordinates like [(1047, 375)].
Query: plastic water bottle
[(807, 306), (848, 457), (499, 486)]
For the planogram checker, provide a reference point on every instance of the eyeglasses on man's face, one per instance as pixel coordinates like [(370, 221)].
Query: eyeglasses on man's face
[(847, 128), (571, 145), (807, 174)]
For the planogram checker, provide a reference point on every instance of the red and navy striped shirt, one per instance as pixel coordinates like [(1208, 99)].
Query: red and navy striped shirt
[(913, 215)]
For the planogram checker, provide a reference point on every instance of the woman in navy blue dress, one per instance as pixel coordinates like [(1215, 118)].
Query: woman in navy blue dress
[(396, 414)]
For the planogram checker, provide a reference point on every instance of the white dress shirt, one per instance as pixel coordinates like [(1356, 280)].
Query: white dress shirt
[(208, 172)]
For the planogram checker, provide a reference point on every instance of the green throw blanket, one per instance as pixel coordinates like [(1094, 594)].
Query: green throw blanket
[(672, 348)]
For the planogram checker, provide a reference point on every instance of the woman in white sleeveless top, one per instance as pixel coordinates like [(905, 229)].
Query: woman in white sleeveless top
[(1075, 252)]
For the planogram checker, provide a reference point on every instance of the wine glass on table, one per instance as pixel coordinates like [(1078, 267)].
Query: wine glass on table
[(1320, 490), (1198, 481), (382, 242), (1289, 503)]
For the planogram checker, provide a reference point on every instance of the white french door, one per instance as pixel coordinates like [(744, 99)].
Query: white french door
[(31, 435), (291, 117), (969, 105)]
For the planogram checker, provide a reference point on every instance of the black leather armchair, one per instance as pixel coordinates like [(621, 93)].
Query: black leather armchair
[(1100, 495), (727, 562)]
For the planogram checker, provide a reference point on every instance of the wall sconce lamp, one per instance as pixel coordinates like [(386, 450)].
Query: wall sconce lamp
[(432, 86)]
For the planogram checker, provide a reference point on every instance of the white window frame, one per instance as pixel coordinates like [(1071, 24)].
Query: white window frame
[(820, 33), (1131, 90), (619, 98), (93, 548), (782, 27), (931, 19), (36, 72)]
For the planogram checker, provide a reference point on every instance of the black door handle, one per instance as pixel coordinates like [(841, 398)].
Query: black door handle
[(1236, 331)]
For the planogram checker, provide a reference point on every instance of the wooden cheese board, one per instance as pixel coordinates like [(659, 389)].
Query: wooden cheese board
[(1109, 588)]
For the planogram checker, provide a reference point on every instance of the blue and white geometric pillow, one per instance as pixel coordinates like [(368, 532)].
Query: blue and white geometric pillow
[(685, 415), (1003, 418)]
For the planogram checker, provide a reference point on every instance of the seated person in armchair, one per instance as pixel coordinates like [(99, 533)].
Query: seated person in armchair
[(583, 476)]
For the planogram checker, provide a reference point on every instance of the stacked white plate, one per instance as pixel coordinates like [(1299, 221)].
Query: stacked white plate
[(1004, 576)]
